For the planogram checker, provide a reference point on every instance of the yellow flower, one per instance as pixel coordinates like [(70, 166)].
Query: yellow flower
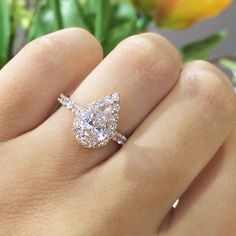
[(181, 13)]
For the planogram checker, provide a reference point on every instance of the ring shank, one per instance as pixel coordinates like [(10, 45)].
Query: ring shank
[(119, 138)]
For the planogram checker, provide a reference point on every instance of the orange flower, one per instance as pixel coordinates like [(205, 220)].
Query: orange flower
[(181, 13)]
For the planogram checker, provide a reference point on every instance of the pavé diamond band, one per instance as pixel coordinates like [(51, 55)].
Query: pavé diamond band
[(95, 124)]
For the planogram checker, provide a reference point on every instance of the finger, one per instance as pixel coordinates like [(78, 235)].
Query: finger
[(142, 69), (211, 197), (47, 66), (170, 148)]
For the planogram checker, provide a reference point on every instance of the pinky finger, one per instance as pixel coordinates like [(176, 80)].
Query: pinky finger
[(208, 207)]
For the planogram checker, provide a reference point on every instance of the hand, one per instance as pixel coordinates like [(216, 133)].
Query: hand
[(176, 117)]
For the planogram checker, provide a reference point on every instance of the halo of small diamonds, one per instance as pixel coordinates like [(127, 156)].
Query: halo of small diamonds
[(95, 124)]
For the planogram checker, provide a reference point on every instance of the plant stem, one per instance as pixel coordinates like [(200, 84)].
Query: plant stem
[(217, 59), (56, 6), (81, 15), (229, 59), (102, 18), (5, 33)]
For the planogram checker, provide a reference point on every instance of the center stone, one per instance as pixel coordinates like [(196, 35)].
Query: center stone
[(95, 125)]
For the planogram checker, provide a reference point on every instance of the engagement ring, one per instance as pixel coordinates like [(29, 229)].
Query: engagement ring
[(95, 124)]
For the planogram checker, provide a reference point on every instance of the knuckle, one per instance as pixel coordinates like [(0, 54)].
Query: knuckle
[(79, 31), (139, 51), (91, 44), (44, 52), (53, 51), (166, 46), (146, 54), (211, 86)]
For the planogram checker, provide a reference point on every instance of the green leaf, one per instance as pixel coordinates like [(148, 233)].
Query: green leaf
[(87, 11), (110, 22), (143, 22), (230, 65), (124, 22), (46, 19), (234, 80), (5, 32), (55, 6), (119, 33), (73, 14), (122, 13), (201, 49), (102, 18)]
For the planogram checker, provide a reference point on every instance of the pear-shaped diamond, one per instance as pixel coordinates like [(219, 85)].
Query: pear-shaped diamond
[(95, 125)]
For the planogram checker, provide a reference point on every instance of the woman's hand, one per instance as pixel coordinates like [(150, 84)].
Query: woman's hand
[(176, 117)]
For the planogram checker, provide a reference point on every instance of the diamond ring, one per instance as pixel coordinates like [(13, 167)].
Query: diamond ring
[(95, 124)]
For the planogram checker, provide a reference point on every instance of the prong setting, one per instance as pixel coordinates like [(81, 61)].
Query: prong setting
[(95, 124)]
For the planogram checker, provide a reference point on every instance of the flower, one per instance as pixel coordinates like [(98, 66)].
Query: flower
[(180, 14)]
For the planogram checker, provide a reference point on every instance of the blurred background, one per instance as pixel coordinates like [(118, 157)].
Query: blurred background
[(201, 30), (226, 19)]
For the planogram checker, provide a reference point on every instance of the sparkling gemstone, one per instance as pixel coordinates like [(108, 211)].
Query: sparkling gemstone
[(115, 97), (95, 125)]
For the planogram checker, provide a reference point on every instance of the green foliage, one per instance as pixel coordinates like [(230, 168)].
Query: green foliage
[(5, 32), (110, 22), (231, 66), (73, 14), (228, 64), (47, 18), (201, 49), (103, 16), (126, 24)]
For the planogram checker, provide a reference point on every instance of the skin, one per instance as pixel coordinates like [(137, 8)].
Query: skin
[(180, 121)]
